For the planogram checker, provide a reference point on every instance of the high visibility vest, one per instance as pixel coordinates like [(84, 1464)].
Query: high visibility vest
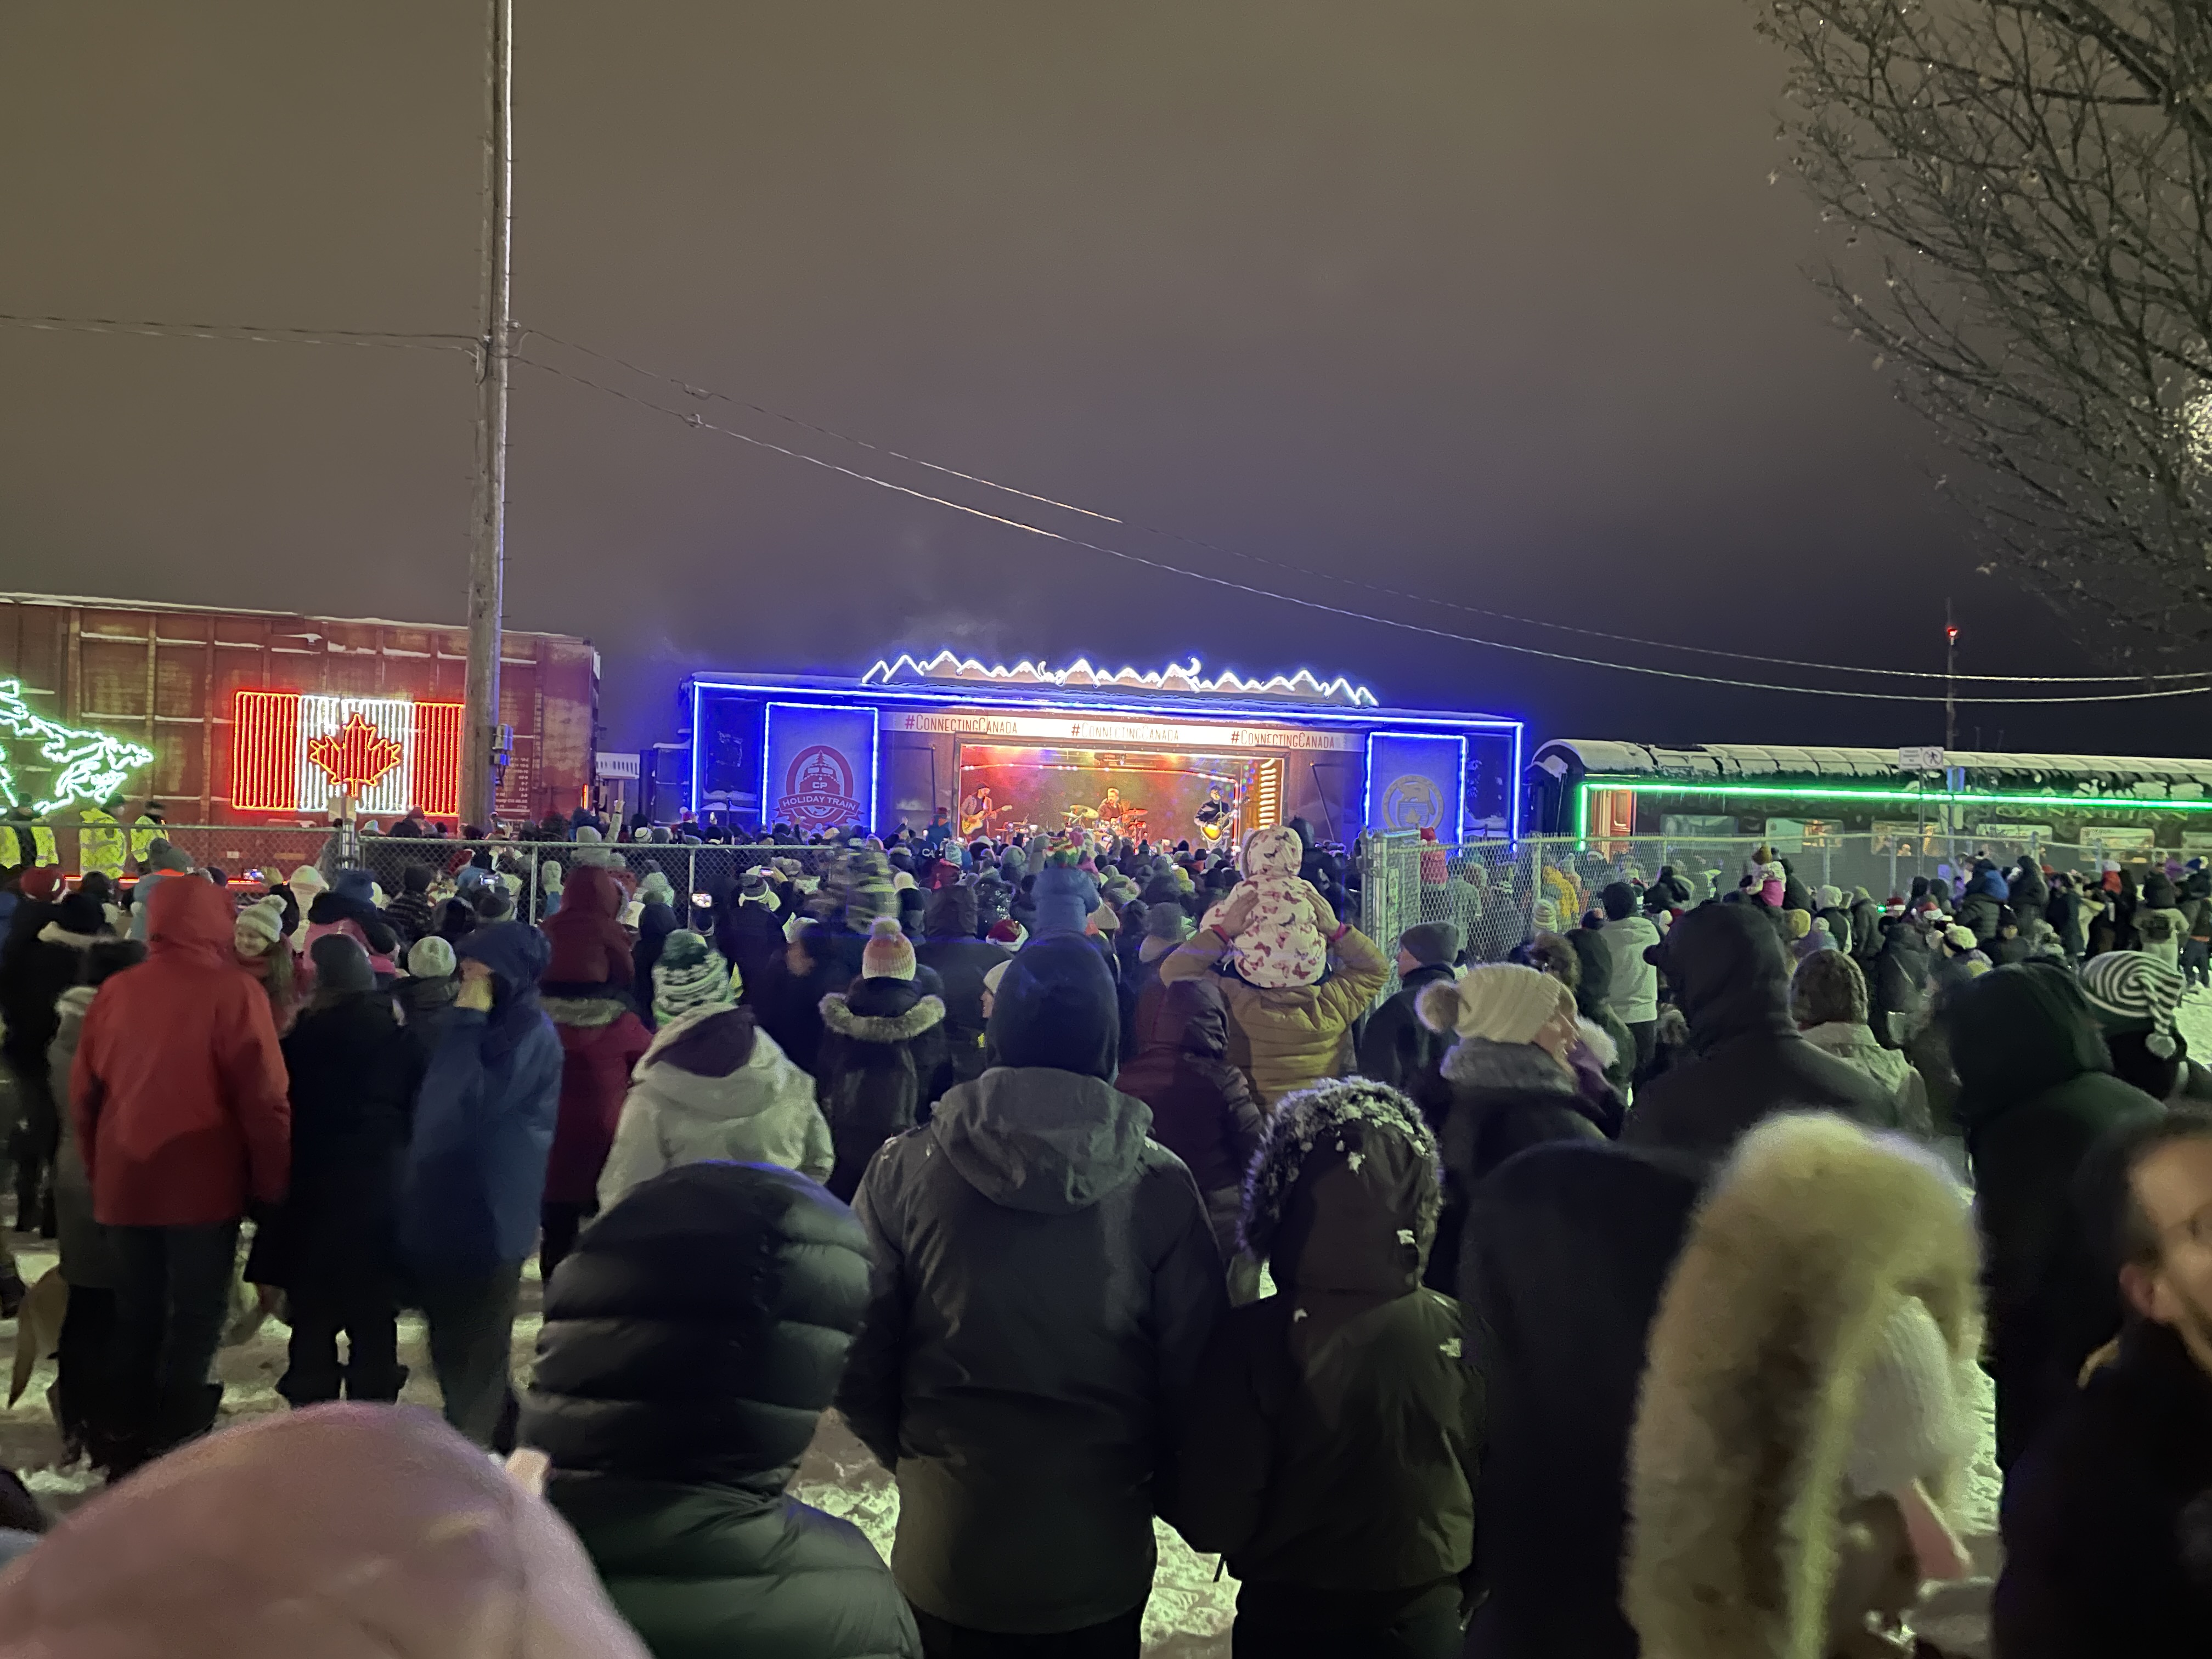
[(99, 844), (22, 843), (143, 837)]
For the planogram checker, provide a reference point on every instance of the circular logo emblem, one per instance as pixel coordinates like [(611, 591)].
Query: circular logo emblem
[(1413, 802), (818, 790)]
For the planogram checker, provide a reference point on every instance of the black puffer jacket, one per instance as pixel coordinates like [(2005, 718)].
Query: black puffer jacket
[(1045, 1280), (882, 1043), (2036, 1092), (1731, 979), (691, 1340)]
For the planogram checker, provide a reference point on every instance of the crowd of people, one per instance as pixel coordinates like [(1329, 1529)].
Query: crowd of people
[(1631, 1291)]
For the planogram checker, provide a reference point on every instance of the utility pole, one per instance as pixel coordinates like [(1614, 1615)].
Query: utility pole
[(488, 553), (1950, 668)]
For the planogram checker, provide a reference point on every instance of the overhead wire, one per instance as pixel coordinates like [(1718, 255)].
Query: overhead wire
[(707, 393), (699, 423), (467, 345)]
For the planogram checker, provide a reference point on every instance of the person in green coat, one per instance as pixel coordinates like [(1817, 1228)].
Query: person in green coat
[(691, 1340)]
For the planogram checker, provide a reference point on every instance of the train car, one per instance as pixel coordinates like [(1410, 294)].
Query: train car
[(1605, 791), (238, 717), (1172, 754)]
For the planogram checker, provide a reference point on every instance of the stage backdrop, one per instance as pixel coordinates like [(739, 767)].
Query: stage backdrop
[(819, 769)]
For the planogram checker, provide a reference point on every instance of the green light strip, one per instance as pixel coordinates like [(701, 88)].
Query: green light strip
[(1809, 792)]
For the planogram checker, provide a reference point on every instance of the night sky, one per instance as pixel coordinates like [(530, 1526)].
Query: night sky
[(1493, 304)]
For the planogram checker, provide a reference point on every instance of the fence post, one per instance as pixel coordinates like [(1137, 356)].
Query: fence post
[(534, 889), (691, 865)]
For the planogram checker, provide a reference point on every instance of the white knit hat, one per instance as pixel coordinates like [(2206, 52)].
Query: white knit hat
[(1501, 1002), (1912, 1427), (307, 881), (259, 926)]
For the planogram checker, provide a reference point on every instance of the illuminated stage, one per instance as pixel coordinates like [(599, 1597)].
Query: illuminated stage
[(1170, 755)]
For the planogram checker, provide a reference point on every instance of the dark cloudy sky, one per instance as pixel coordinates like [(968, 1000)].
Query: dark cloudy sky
[(1489, 302)]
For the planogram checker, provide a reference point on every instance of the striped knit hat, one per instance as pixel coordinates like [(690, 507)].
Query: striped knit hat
[(691, 975), (2132, 992)]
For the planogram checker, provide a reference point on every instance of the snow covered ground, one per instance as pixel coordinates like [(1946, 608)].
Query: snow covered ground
[(1187, 1617)]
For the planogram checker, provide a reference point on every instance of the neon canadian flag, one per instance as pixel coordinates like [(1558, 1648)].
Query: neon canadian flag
[(290, 752)]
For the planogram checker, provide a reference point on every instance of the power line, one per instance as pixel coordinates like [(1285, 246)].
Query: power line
[(709, 394), (468, 344), (699, 423)]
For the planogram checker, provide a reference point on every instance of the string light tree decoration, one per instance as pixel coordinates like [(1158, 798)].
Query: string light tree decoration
[(88, 766), (2017, 197)]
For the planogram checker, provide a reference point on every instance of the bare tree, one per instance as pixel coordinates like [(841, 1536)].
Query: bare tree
[(2023, 190)]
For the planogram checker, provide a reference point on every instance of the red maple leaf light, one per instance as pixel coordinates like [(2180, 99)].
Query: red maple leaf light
[(357, 756)]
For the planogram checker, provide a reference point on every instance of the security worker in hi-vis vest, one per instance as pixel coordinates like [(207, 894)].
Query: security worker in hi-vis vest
[(151, 826), (23, 839), (101, 841)]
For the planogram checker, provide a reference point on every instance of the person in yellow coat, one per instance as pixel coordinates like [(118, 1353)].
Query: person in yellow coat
[(99, 840)]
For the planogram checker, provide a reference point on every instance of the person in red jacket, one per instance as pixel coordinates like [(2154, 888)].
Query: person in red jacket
[(178, 1101), (587, 990)]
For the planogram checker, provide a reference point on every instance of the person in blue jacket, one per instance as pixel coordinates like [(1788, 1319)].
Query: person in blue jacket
[(475, 1169)]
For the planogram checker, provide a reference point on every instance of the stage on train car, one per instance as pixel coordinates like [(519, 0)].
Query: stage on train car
[(1168, 754)]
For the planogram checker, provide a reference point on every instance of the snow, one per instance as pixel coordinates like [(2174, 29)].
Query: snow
[(1187, 1617)]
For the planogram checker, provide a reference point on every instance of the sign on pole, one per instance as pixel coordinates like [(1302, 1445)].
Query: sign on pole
[(1920, 760)]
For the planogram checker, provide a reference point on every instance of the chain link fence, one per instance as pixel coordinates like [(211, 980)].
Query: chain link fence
[(1500, 894)]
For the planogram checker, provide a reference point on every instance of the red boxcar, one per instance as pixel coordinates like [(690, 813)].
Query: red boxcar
[(169, 676)]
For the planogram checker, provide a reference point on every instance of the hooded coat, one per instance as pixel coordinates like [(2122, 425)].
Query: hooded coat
[(1809, 1243), (882, 1042), (1202, 1107), (178, 1089), (1731, 978), (484, 1118), (714, 1086), (1855, 1045), (1897, 988), (601, 1042), (589, 945), (354, 1076), (1333, 1428), (1568, 1250), (960, 960), (1287, 1038), (2108, 1517), (2036, 1092), (1044, 1282), (692, 1341), (1396, 1050)]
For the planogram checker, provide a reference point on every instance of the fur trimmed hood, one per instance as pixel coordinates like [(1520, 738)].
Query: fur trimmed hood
[(1289, 1211), (927, 1014), (1520, 1067), (1805, 1246)]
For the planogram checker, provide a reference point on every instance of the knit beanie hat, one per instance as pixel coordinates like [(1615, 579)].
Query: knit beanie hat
[(82, 913), (1912, 1426), (259, 926), (1010, 933), (1168, 921), (2131, 992), (1827, 989), (690, 975), (888, 954), (431, 957), (1501, 1002), (43, 883), (161, 855), (1431, 944), (341, 965)]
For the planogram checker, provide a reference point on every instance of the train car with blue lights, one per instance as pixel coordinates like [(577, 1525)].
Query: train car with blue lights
[(1171, 755)]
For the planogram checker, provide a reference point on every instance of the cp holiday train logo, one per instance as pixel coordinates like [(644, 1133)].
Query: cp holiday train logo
[(818, 791)]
